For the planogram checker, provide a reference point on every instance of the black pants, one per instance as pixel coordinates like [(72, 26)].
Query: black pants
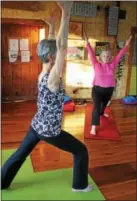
[(64, 141), (100, 97)]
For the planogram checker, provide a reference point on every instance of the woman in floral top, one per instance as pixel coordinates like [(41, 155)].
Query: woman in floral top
[(46, 124)]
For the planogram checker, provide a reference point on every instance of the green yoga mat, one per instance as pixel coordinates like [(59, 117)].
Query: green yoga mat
[(48, 185)]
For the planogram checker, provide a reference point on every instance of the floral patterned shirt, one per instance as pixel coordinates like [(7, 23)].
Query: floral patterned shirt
[(47, 120)]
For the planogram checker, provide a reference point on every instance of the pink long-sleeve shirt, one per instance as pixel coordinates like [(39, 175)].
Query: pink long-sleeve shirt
[(105, 72)]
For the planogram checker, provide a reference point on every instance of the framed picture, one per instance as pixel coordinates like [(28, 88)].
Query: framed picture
[(75, 53), (99, 47), (75, 30)]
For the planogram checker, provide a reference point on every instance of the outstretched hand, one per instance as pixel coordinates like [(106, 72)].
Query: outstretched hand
[(129, 40), (85, 35), (65, 5)]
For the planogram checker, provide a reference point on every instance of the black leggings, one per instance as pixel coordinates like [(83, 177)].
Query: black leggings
[(64, 141), (101, 97)]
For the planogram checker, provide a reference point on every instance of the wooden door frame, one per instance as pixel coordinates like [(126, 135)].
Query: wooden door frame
[(23, 21), (130, 60), (31, 22)]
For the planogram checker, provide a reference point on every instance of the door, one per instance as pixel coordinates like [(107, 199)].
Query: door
[(19, 79)]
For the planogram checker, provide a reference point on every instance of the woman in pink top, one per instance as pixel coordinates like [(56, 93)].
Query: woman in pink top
[(104, 80)]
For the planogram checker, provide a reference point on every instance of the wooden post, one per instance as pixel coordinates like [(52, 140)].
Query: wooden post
[(130, 60)]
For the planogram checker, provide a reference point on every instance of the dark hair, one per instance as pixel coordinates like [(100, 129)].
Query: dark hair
[(46, 48)]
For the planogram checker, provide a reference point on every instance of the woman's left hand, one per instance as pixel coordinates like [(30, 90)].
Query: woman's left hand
[(129, 40)]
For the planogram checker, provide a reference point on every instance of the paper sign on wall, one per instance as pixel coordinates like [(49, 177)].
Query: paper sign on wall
[(24, 44), (13, 54), (13, 44), (25, 56)]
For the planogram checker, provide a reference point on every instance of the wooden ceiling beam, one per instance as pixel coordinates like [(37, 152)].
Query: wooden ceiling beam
[(21, 5), (23, 21)]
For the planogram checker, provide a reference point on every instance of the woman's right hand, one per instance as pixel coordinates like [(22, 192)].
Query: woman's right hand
[(85, 36), (65, 5)]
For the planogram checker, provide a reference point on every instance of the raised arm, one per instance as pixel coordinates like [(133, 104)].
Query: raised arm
[(51, 23), (121, 53), (90, 50), (61, 42)]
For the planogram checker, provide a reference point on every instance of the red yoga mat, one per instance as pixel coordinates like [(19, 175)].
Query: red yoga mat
[(107, 129)]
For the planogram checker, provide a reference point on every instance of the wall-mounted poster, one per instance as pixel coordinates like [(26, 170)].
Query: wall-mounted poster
[(75, 30), (18, 50), (13, 55), (100, 46), (25, 56), (13, 44), (75, 53), (24, 44)]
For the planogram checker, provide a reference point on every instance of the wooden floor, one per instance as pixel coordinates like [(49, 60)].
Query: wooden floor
[(112, 164)]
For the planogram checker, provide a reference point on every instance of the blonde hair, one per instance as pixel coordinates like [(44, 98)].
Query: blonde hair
[(106, 48)]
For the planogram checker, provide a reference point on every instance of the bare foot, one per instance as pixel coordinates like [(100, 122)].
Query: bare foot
[(93, 131), (106, 115)]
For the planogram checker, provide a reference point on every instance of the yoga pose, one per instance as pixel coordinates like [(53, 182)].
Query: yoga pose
[(104, 80), (46, 124)]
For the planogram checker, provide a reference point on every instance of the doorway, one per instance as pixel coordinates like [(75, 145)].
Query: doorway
[(19, 78)]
